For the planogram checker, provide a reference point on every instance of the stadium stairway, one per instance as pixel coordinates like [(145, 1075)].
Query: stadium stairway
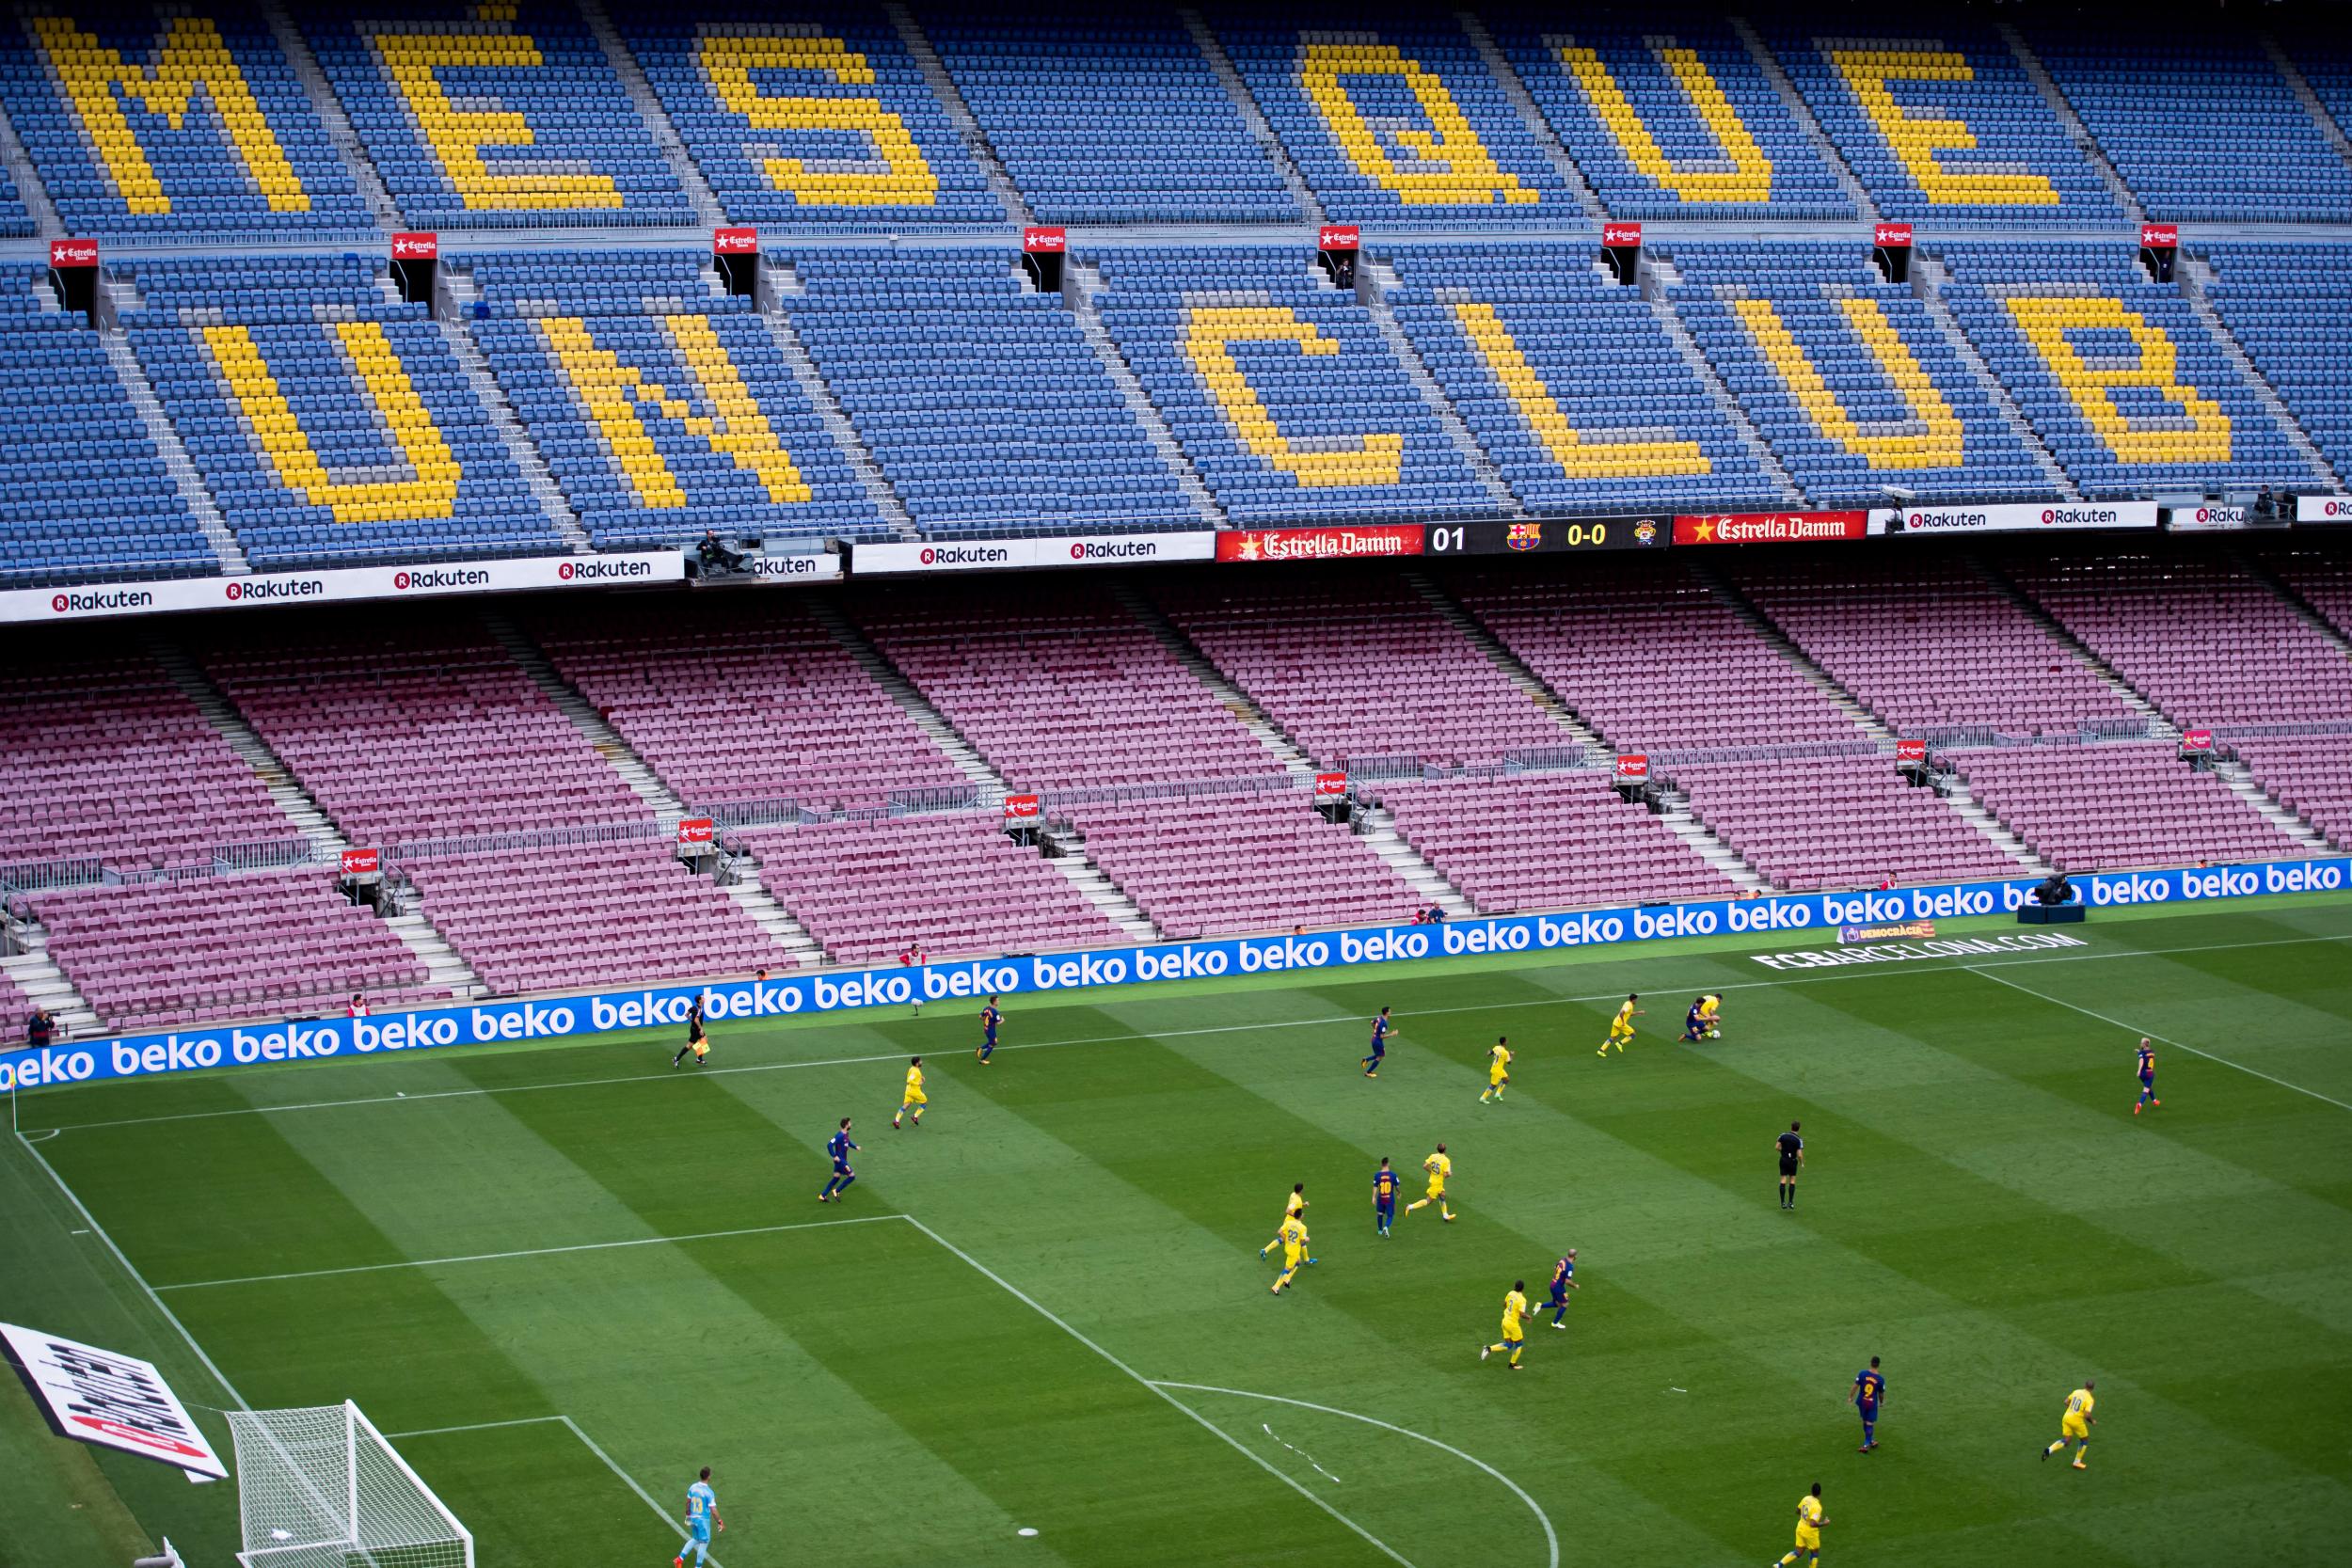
[(2196, 276), (1375, 279), (1515, 92), (1928, 278), (1517, 673), (1656, 276), (943, 86), (1082, 281), (2071, 122), (526, 452), (708, 209), (2300, 86), (1261, 130), (177, 463), (775, 281), (1823, 146), (18, 163), (33, 971), (340, 133)]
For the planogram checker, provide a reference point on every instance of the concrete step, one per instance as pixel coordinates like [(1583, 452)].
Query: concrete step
[(1083, 282), (2158, 725), (1928, 278), (1372, 281), (829, 409), (1972, 811), (1848, 704), (443, 964), (329, 109), (1261, 131), (2076, 132), (606, 741), (1376, 827), (1679, 820), (1508, 662), (990, 785), (800, 947), (1768, 63), (301, 810), (1688, 347), (943, 87), (185, 477), (2195, 276), (2241, 782), (1269, 735), (708, 210), (40, 978), (536, 475), (1096, 886), (1507, 76)]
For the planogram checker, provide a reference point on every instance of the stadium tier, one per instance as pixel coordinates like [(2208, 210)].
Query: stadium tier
[(331, 423), (2090, 808), (802, 726), (1573, 388), (1812, 823), (2287, 307), (1673, 118), (2309, 776), (88, 497)]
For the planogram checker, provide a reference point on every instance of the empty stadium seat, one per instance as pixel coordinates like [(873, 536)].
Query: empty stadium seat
[(333, 424), (87, 496), (661, 404), (1281, 389), (156, 123), (980, 399), (1943, 127), (1847, 376), (2289, 307), (495, 115), (1109, 117), (2118, 805), (815, 117), (1673, 118), (1572, 386), (1826, 823)]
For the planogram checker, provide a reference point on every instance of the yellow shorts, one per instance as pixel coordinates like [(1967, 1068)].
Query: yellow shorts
[(1437, 1188), (1620, 1031), (1808, 1539), (1293, 1257), (2074, 1427), (917, 1097), (1513, 1334), (1495, 1075)]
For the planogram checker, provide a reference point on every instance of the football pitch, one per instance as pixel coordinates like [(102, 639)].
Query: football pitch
[(1039, 1330)]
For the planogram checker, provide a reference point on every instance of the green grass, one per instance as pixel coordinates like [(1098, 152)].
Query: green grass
[(1980, 1209)]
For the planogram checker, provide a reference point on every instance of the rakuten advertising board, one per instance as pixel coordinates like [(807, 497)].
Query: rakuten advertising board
[(2030, 518), (342, 584), (797, 995), (1004, 555)]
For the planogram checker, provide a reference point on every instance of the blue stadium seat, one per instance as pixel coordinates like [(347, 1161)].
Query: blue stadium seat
[(662, 404), (334, 425), (496, 116), (1110, 117), (1848, 377), (88, 497), (1945, 129), (1571, 384), (980, 399), (2290, 307), (2201, 126), (2120, 378), (1398, 124), (152, 123), (814, 117), (1672, 117), (1282, 390)]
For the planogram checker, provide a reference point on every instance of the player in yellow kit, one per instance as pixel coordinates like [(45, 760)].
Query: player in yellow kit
[(1621, 1026), (1513, 1333), (915, 1099), (1809, 1522), (2075, 1426), (1296, 1205), (1498, 1069), (1440, 1167), (1294, 1249)]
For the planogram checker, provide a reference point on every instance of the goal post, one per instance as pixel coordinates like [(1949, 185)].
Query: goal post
[(322, 1488)]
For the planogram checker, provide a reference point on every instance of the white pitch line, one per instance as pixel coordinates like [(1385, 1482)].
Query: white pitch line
[(1551, 1538), (2177, 1045), (1255, 1458), (525, 1252), (1866, 973), (475, 1426), (138, 1278), (574, 1426)]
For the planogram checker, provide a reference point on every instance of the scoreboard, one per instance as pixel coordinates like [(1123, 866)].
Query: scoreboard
[(1549, 535)]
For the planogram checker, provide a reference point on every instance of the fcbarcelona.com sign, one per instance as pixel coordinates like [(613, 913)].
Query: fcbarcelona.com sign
[(342, 584), (799, 995)]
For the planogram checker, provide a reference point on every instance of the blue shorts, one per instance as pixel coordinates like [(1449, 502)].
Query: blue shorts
[(1559, 1298), (1869, 1412), (1385, 1205), (840, 1169)]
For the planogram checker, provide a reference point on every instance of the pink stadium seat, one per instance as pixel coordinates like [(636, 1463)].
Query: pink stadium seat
[(2116, 806), (1837, 822)]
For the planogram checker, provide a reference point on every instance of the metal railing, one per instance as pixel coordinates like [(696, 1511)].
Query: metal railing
[(524, 838)]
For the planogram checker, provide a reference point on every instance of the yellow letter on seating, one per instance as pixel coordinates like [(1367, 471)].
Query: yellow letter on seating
[(1750, 177), (904, 181), (1377, 458)]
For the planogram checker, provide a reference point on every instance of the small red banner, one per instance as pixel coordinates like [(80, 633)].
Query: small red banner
[(1770, 528), (1621, 234), (362, 863), (1891, 234), (1330, 787), (1319, 543), (1911, 750), (72, 253), (2161, 236), (2197, 741), (1336, 236), (1633, 768), (734, 242), (1020, 808), (1044, 242), (416, 247), (693, 829)]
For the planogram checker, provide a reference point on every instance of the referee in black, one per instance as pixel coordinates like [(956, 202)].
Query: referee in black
[(1791, 1149), (693, 1033)]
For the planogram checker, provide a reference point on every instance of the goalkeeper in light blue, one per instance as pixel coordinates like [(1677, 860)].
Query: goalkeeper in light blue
[(702, 1517)]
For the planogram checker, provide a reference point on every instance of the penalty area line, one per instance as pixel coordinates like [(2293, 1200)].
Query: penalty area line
[(1227, 1438), (575, 1429), (426, 1096), (2132, 1028)]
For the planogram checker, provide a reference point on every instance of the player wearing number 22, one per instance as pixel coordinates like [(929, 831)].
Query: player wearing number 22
[(1514, 1329), (702, 1517)]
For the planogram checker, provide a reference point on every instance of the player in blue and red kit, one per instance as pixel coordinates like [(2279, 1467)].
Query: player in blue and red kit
[(1562, 1281), (840, 1147), (1869, 1392), (1384, 1195), (2147, 1077), (990, 1019), (1379, 1044)]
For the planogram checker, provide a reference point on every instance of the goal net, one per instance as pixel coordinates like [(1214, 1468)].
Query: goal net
[(321, 1489)]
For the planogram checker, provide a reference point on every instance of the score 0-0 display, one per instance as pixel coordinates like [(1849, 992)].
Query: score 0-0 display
[(1553, 535)]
